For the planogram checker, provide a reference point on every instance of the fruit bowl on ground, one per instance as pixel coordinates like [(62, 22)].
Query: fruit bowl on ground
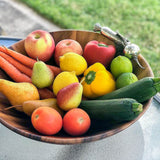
[(21, 124)]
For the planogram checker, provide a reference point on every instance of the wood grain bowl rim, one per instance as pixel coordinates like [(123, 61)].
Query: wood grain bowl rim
[(82, 139)]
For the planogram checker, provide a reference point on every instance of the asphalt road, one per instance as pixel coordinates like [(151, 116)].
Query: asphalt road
[(18, 20)]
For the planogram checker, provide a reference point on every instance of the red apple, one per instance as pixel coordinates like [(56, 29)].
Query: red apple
[(39, 44), (67, 45)]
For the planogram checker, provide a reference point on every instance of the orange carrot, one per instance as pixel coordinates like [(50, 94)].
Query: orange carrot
[(20, 57), (22, 68), (55, 70), (13, 72), (17, 76), (29, 62), (45, 93)]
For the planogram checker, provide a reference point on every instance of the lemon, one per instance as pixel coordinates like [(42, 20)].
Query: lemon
[(125, 79), (64, 79), (119, 65), (73, 62)]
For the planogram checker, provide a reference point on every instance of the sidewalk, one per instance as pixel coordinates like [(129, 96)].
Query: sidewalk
[(18, 20)]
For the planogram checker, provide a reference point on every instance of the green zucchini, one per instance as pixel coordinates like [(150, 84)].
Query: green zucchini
[(141, 90), (119, 110)]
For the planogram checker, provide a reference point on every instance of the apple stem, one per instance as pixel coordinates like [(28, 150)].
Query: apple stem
[(37, 59), (37, 36)]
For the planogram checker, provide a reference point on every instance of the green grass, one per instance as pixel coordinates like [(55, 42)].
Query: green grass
[(137, 20)]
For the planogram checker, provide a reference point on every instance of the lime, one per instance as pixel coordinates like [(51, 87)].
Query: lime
[(73, 62), (119, 65), (125, 79)]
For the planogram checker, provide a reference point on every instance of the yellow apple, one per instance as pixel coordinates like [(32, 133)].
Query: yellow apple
[(39, 44)]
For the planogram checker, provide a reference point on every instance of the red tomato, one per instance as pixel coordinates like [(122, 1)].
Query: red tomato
[(46, 120), (76, 122)]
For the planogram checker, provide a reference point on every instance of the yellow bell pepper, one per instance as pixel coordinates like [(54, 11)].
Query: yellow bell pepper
[(97, 81)]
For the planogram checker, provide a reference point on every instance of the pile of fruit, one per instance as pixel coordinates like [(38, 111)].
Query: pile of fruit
[(84, 84)]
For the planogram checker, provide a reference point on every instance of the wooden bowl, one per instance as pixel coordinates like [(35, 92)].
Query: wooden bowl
[(21, 124)]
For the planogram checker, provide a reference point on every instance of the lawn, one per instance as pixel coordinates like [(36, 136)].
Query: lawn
[(137, 20)]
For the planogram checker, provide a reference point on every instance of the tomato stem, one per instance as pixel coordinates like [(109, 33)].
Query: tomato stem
[(36, 116), (80, 120)]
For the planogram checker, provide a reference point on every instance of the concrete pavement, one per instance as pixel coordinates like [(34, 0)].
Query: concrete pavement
[(18, 20)]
